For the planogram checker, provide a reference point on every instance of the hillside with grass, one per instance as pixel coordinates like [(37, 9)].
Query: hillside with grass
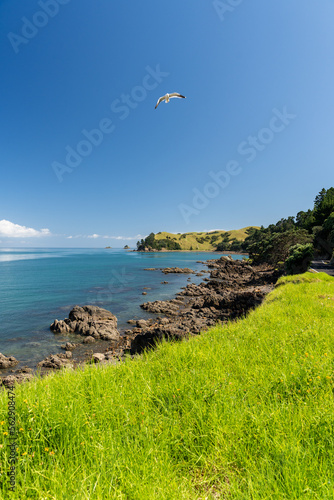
[(202, 241), (243, 411)]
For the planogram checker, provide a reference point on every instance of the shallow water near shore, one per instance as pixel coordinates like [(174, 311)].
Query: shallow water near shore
[(38, 286)]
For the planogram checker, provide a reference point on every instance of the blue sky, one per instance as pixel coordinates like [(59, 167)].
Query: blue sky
[(86, 160)]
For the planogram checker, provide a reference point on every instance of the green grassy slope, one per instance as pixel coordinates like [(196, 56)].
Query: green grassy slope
[(202, 241), (243, 411)]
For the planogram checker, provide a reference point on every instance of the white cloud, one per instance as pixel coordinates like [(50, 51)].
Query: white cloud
[(106, 237), (127, 238), (11, 230)]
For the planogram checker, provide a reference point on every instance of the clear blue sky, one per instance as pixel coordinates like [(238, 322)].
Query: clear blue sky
[(251, 143)]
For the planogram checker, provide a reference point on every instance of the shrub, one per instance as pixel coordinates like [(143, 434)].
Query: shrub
[(299, 258)]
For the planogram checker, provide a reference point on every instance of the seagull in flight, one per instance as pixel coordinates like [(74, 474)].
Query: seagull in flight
[(167, 97)]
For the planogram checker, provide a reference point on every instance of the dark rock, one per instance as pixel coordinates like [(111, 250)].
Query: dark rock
[(88, 340), (149, 337), (10, 380), (178, 270), (141, 323), (24, 369), (54, 361), (160, 307), (69, 346), (127, 333), (89, 321), (60, 327), (98, 357), (164, 321), (7, 362), (144, 293)]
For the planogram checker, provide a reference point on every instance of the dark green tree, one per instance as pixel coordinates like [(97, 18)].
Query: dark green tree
[(299, 259), (224, 244), (323, 206)]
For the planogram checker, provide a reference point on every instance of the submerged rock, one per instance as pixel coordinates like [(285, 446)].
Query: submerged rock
[(68, 346), (177, 270), (88, 340)]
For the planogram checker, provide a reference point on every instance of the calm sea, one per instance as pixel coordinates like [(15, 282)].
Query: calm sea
[(40, 285)]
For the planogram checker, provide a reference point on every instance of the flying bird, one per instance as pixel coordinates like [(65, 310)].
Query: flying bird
[(167, 97)]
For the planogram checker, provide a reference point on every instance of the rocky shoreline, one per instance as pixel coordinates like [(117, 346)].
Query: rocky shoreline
[(233, 288)]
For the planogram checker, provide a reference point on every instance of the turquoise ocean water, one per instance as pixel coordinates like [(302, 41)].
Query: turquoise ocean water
[(40, 285)]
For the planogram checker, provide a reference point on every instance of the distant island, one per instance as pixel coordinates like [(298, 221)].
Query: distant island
[(202, 241), (107, 247), (126, 247)]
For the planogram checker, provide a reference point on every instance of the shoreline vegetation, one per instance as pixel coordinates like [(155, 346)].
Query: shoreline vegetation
[(244, 410), (165, 250)]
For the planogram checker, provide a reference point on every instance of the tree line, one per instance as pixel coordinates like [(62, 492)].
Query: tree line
[(291, 243), (298, 238)]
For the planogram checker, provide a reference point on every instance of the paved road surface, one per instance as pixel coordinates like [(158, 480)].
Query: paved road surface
[(322, 266)]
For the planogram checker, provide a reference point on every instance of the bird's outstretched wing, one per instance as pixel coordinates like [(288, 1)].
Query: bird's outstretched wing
[(159, 101), (176, 94)]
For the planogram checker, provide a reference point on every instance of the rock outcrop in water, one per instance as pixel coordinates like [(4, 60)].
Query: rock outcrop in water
[(7, 362), (89, 321), (170, 270)]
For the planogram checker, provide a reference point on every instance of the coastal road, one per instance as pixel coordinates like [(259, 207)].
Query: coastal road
[(322, 266)]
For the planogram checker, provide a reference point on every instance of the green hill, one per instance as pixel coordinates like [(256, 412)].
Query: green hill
[(203, 240)]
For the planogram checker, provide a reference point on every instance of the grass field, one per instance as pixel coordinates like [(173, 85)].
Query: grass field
[(202, 241), (243, 411)]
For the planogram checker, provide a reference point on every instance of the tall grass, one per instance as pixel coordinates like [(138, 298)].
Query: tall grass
[(243, 411)]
